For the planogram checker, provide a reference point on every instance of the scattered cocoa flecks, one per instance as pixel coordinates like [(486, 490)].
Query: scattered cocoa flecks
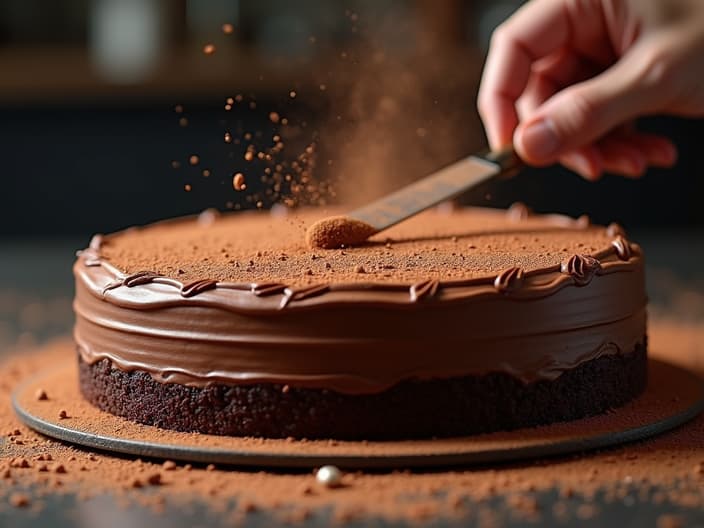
[(59, 468), (19, 500), (63, 414), (306, 489), (359, 269), (154, 479), (41, 395), (567, 492), (21, 463), (247, 507), (238, 182), (279, 492)]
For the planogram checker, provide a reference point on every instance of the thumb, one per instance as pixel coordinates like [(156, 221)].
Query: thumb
[(583, 112)]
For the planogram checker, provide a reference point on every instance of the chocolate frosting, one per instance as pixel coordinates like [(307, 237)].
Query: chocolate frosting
[(364, 337)]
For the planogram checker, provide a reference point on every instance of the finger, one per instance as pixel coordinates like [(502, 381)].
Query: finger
[(566, 67), (583, 112), (585, 161), (534, 31), (551, 74), (538, 90), (621, 156), (659, 151)]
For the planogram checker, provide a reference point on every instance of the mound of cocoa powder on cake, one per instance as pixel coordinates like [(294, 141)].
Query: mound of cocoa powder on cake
[(338, 231), (668, 468)]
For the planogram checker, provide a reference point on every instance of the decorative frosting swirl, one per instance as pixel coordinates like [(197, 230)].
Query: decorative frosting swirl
[(196, 287), (302, 294), (582, 268), (622, 247), (509, 280)]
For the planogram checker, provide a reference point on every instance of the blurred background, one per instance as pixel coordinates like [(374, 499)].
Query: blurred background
[(93, 139)]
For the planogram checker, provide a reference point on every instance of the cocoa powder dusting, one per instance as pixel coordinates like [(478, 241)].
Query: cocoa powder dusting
[(668, 468), (247, 247)]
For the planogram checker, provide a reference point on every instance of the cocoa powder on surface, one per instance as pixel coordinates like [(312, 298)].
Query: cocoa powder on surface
[(668, 468), (261, 247)]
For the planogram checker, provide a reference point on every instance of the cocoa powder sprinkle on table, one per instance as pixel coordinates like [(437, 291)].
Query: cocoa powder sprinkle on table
[(670, 462), (19, 500)]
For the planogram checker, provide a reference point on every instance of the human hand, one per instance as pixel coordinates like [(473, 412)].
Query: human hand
[(564, 80)]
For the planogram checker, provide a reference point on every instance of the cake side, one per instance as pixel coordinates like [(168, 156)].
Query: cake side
[(411, 409)]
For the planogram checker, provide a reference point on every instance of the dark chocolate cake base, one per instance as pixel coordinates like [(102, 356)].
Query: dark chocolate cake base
[(412, 409)]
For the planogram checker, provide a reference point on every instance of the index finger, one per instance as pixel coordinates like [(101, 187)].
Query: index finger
[(533, 32)]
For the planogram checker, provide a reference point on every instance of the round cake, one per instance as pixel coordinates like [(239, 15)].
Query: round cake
[(451, 323)]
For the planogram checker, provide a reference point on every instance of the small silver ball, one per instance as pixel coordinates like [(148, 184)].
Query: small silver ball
[(329, 476)]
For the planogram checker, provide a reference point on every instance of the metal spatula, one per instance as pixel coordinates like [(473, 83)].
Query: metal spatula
[(445, 184)]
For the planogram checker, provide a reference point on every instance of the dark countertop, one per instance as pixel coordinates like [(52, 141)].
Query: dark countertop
[(35, 296)]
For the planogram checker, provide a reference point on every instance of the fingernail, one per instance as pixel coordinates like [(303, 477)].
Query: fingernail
[(540, 141)]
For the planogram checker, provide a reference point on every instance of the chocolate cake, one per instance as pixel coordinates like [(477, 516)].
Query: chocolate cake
[(452, 323)]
